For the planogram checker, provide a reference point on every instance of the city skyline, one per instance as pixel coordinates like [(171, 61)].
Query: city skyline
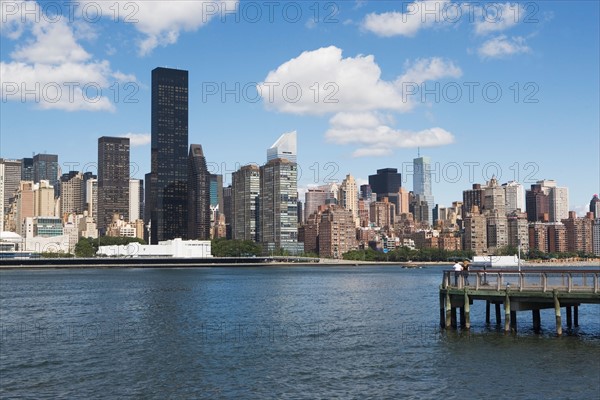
[(342, 38)]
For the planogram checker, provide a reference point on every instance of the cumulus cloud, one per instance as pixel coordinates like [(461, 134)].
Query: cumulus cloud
[(419, 15), (503, 46), (371, 131), (51, 68), (497, 17), (321, 81), (161, 22), (138, 139)]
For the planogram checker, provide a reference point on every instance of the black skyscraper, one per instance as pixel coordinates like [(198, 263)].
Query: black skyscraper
[(113, 180), (198, 195), (45, 167), (387, 180), (27, 169), (166, 185)]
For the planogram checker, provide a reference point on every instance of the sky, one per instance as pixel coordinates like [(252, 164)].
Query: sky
[(482, 88)]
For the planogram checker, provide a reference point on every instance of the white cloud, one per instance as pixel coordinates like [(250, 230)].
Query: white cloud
[(138, 139), (319, 82), (371, 131), (161, 22), (419, 15), (502, 46), (497, 17), (49, 67)]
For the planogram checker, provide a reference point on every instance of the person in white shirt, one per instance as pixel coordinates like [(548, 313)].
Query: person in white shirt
[(457, 272)]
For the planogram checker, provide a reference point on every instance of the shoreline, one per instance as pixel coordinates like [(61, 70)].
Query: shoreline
[(71, 263)]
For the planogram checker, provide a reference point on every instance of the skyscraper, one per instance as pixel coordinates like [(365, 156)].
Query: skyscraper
[(2, 197), (12, 177), (515, 197), (422, 183), (471, 198), (537, 203), (313, 198), (166, 184), (72, 196), (245, 206), (595, 206), (45, 167), (284, 147), (113, 179), (348, 196), (198, 209), (279, 205), (136, 199), (27, 169), (387, 183)]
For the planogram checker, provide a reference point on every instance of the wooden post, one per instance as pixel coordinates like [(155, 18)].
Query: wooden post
[(453, 317), (448, 310), (537, 323), (569, 317), (487, 312), (513, 321), (576, 315), (557, 314), (442, 311), (507, 314), (467, 309), (498, 317)]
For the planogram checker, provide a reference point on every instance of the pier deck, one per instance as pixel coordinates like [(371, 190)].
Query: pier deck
[(530, 290)]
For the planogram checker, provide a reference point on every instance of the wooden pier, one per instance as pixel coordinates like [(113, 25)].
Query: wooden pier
[(529, 290)]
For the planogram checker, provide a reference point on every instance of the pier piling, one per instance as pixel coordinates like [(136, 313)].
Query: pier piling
[(557, 314)]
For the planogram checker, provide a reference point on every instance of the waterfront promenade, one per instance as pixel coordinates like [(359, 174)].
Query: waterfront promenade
[(526, 290)]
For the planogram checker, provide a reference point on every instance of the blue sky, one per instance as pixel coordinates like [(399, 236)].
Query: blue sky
[(377, 80)]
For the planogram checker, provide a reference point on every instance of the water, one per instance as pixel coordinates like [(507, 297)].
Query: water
[(286, 333)]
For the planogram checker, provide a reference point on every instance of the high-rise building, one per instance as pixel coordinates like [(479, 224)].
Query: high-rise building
[(475, 238), (514, 195), (72, 194), (285, 147), (45, 167), (471, 198), (24, 205), (279, 205), (245, 190), (216, 192), (91, 198), (596, 237), (386, 181), (555, 198), (518, 230), (595, 206), (348, 196), (227, 210), (113, 180), (313, 198), (198, 186), (166, 184), (365, 192), (403, 201), (537, 203), (44, 204), (579, 233), (497, 230), (136, 199), (494, 198), (2, 197), (27, 169), (12, 177), (557, 238), (382, 213), (331, 232), (422, 183), (538, 237)]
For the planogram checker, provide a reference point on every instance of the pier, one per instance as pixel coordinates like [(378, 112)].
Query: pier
[(511, 291)]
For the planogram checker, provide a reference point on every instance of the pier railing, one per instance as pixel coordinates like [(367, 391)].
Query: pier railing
[(569, 281)]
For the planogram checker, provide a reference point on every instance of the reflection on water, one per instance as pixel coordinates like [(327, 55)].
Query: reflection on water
[(300, 332)]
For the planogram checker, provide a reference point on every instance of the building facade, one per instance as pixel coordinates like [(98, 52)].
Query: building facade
[(245, 190), (198, 187), (113, 180)]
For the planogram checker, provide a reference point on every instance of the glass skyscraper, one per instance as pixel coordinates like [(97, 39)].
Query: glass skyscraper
[(166, 184), (422, 183), (198, 195)]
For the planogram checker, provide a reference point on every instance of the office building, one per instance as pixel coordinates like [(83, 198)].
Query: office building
[(113, 180), (472, 198), (595, 206), (494, 199), (285, 148), (198, 210), (514, 194), (278, 228), (45, 167), (537, 203), (475, 237), (245, 190), (12, 177), (422, 183), (27, 169), (330, 232), (72, 196), (579, 233), (166, 184), (2, 197), (136, 199)]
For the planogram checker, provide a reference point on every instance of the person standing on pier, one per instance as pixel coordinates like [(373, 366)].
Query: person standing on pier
[(465, 265), (458, 268)]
